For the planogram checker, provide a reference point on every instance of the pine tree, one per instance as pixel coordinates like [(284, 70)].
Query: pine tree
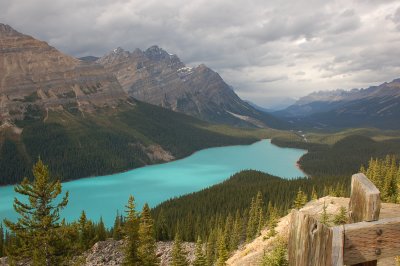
[(36, 229), (211, 248), (277, 257), (131, 230), (236, 233), (147, 243), (84, 232), (200, 259), (222, 252), (324, 215), (162, 228), (101, 231), (300, 201), (341, 217), (1, 240), (314, 195), (117, 229), (178, 254), (272, 220)]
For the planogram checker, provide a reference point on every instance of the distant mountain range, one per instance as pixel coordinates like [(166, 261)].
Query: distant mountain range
[(376, 106)]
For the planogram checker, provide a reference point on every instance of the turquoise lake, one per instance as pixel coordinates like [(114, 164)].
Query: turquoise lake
[(104, 195)]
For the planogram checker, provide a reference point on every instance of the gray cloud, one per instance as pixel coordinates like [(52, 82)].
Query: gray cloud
[(264, 49)]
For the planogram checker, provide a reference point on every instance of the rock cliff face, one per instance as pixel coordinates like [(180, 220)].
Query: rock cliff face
[(160, 78), (34, 75)]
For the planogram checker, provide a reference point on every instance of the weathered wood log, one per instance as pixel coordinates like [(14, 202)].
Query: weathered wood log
[(365, 202), (310, 242), (368, 241)]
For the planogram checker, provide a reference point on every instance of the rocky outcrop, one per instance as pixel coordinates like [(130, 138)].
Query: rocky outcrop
[(35, 76), (110, 253), (160, 78)]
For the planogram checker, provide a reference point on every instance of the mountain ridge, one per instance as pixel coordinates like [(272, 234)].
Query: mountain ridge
[(375, 106), (160, 78)]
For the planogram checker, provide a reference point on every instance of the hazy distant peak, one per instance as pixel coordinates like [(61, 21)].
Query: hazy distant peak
[(7, 30)]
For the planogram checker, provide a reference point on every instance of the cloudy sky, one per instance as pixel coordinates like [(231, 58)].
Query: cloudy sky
[(265, 49)]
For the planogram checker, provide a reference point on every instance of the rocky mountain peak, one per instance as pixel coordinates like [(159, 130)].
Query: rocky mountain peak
[(7, 30), (156, 53)]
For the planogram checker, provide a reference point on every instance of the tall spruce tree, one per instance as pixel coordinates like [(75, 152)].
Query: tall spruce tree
[(200, 259), (147, 243), (221, 250), (131, 230), (36, 228), (117, 233), (101, 231), (178, 254), (1, 240)]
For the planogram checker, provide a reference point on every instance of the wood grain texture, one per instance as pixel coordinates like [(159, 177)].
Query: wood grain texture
[(365, 202), (367, 241), (310, 242)]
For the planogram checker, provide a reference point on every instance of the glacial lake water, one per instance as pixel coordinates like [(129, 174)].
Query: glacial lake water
[(104, 195)]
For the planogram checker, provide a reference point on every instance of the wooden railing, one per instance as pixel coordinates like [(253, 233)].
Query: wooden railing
[(362, 242)]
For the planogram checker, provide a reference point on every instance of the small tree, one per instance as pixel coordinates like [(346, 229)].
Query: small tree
[(36, 228), (314, 195), (300, 200), (131, 230), (278, 256), (324, 215), (341, 217), (147, 242), (222, 252), (178, 254), (1, 240), (200, 259)]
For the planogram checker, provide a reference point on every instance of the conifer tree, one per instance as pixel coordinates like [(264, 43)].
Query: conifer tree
[(131, 230), (84, 232), (200, 259), (277, 257), (300, 201), (147, 243), (162, 228), (324, 215), (117, 229), (314, 195), (101, 231), (272, 220), (36, 228), (341, 217), (236, 233), (1, 240), (178, 254), (222, 252), (211, 248)]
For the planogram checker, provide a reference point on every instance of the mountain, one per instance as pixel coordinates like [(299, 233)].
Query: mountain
[(36, 76), (160, 78), (78, 119), (376, 106)]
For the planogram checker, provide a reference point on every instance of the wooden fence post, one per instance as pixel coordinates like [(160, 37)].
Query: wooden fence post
[(312, 243), (365, 206)]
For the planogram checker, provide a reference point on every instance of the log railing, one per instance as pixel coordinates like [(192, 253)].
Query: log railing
[(363, 242)]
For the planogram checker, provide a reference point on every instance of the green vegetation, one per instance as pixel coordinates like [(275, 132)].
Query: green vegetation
[(278, 255), (342, 158), (178, 254), (107, 142), (385, 174), (36, 229)]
